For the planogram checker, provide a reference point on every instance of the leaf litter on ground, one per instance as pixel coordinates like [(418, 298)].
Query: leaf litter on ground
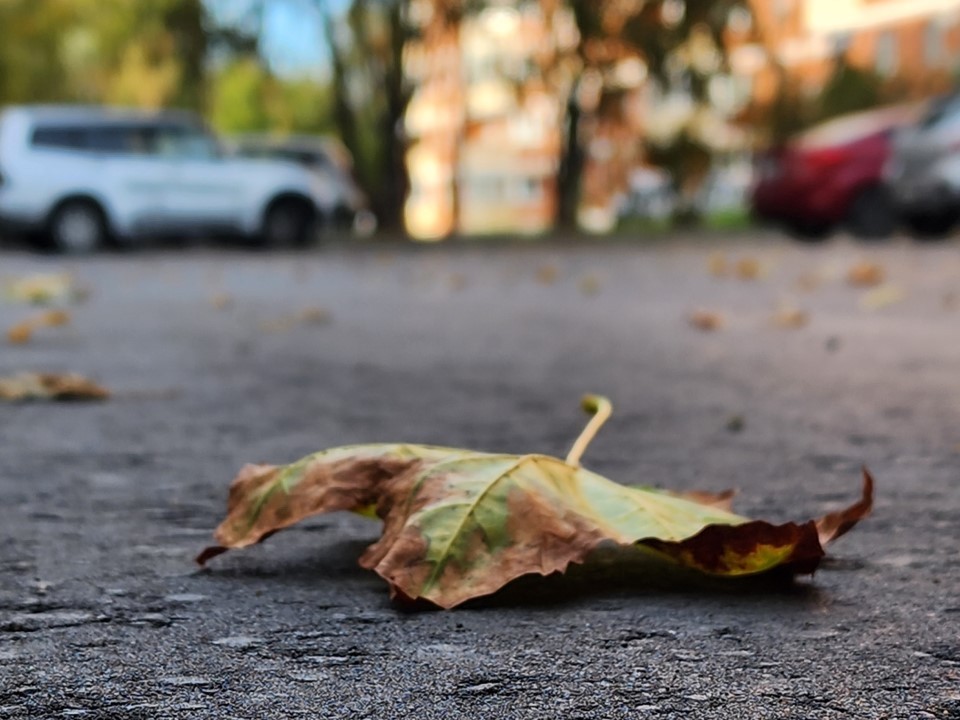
[(459, 524), (866, 274), (29, 386), (706, 320), (22, 332), (45, 289), (881, 297)]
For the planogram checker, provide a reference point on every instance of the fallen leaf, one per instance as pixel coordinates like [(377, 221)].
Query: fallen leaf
[(22, 332), (866, 274), (791, 318), (717, 265), (44, 289), (50, 386), (547, 274), (589, 285), (221, 301), (706, 320), (316, 316), (748, 269), (808, 282), (458, 281), (54, 318), (459, 524), (881, 297)]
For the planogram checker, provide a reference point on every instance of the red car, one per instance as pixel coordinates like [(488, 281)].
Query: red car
[(831, 176)]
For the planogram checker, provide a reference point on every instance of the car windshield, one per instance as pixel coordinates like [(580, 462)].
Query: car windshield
[(187, 143), (939, 111)]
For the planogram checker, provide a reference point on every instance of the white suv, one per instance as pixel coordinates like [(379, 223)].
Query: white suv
[(83, 176)]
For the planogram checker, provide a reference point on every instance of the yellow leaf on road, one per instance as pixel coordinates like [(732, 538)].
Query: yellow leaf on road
[(881, 297)]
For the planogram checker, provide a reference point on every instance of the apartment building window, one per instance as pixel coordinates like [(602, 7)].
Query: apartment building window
[(782, 9), (934, 44), (887, 58)]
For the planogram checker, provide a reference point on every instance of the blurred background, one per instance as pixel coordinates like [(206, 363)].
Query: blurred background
[(447, 118)]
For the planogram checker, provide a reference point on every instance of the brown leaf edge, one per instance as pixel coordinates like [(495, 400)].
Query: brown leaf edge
[(727, 549)]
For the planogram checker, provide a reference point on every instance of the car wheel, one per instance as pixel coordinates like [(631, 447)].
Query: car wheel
[(872, 215), (77, 227), (288, 222), (931, 226), (809, 231)]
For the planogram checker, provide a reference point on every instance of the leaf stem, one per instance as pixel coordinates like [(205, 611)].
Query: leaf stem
[(601, 409)]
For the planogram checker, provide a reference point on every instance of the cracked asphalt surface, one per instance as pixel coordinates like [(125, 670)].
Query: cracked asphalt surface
[(213, 364)]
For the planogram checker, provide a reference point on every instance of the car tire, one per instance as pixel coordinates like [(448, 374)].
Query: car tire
[(873, 215), (77, 227), (931, 226), (288, 222), (809, 231)]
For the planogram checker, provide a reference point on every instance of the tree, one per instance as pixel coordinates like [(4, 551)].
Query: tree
[(682, 47)]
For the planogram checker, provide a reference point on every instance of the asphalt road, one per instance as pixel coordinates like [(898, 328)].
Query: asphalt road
[(104, 615)]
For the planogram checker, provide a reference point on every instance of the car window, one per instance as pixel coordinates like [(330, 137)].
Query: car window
[(942, 112), (186, 143), (53, 136), (108, 138)]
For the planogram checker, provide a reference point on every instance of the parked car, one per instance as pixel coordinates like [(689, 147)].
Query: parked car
[(924, 169), (324, 155), (832, 176), (83, 176)]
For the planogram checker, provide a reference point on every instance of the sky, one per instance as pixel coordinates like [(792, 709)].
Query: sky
[(293, 39)]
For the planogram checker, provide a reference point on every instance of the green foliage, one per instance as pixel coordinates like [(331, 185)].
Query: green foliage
[(850, 89)]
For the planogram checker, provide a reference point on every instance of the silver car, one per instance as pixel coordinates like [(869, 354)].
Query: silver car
[(82, 176), (924, 169)]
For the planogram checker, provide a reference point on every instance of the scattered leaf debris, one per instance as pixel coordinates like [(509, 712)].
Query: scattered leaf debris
[(589, 285), (221, 301), (50, 386), (459, 524), (791, 318), (45, 289), (881, 297), (866, 274), (23, 331), (748, 268), (547, 274), (706, 320), (717, 265), (316, 316)]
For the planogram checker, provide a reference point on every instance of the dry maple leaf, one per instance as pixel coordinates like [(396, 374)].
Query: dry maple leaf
[(459, 524), (50, 386)]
